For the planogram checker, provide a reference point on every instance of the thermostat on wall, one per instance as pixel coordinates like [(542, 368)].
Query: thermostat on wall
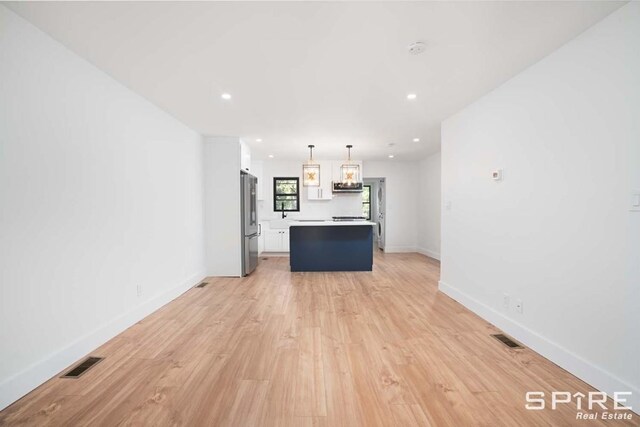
[(635, 201), (497, 175)]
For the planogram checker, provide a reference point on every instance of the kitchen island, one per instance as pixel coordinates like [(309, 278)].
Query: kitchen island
[(331, 245)]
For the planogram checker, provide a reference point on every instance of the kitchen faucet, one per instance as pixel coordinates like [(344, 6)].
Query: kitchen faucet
[(282, 210)]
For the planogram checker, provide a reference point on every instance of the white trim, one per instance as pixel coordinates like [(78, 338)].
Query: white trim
[(399, 249), (274, 254), (429, 253), (21, 383), (594, 375)]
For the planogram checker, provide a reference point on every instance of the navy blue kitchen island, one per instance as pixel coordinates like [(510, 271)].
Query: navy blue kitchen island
[(329, 246)]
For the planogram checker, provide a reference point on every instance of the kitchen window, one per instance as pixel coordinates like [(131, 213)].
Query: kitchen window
[(286, 195), (366, 202)]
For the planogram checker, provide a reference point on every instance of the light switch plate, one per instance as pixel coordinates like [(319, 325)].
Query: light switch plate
[(505, 301)]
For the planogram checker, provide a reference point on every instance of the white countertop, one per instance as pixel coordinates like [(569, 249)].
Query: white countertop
[(294, 223)]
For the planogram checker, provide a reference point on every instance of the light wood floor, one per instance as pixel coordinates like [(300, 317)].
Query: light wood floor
[(308, 349)]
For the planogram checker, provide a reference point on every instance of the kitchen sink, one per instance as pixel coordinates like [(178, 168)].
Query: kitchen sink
[(279, 223)]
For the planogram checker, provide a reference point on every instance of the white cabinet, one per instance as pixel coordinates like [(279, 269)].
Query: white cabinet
[(324, 191), (272, 240), (329, 173), (276, 240), (245, 157), (319, 193)]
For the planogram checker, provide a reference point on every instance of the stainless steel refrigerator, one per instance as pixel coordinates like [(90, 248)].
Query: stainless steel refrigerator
[(250, 229)]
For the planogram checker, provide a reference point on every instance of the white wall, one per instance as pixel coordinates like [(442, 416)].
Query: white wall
[(341, 204), (558, 231), (429, 206), (223, 212), (402, 202), (100, 192)]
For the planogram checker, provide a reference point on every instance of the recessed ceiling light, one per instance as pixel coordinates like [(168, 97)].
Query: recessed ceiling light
[(226, 96), (259, 140), (416, 139), (412, 96), (417, 48), (271, 156), (391, 156)]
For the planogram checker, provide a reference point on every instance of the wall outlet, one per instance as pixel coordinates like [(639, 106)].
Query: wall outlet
[(139, 290), (518, 306), (505, 301)]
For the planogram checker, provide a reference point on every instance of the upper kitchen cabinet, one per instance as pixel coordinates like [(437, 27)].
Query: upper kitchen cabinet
[(329, 173), (323, 192), (245, 157)]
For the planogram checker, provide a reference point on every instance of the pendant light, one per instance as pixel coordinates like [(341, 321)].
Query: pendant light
[(349, 172), (311, 171)]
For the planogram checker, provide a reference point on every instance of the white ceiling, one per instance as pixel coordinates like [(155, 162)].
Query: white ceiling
[(315, 73)]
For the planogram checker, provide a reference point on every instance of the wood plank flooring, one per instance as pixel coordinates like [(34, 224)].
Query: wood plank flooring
[(381, 348)]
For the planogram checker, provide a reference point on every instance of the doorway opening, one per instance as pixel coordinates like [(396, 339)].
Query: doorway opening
[(375, 208)]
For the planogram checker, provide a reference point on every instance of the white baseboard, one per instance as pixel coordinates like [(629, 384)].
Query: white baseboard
[(273, 254), (594, 375), (28, 379), (399, 249), (429, 253), (406, 249)]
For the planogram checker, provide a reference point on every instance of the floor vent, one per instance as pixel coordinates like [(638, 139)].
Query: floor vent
[(83, 367), (202, 285), (506, 341)]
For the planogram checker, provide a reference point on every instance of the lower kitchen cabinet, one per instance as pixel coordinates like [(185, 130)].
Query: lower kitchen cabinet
[(276, 240)]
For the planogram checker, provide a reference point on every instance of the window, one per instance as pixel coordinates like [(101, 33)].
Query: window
[(366, 201), (285, 195)]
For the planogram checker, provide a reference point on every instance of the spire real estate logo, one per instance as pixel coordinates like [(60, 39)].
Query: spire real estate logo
[(590, 406)]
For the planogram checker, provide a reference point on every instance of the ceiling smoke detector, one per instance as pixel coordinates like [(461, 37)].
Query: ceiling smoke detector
[(417, 48)]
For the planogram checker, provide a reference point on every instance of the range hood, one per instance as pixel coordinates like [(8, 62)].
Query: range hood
[(347, 187)]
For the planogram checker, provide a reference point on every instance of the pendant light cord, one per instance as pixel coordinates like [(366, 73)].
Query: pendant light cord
[(311, 154)]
